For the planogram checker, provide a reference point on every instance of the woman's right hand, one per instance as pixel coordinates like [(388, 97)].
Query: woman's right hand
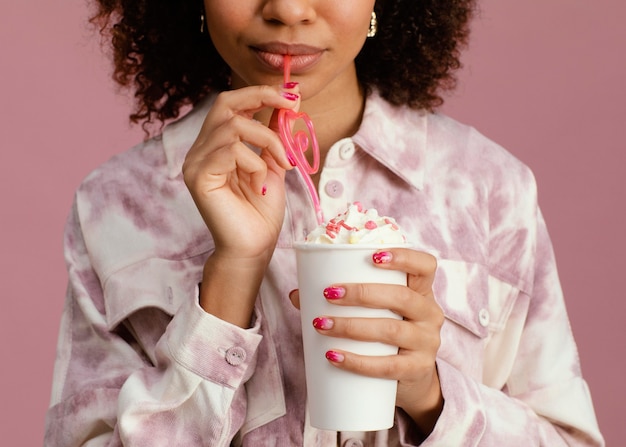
[(239, 193)]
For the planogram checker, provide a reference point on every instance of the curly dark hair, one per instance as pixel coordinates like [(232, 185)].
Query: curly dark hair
[(160, 52)]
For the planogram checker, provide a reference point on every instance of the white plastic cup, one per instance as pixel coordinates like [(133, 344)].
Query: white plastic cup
[(339, 400)]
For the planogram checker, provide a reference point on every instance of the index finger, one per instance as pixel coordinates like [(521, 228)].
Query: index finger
[(246, 102), (420, 266)]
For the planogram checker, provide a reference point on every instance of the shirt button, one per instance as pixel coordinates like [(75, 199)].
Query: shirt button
[(353, 443), (346, 151), (334, 188), (483, 317), (235, 356)]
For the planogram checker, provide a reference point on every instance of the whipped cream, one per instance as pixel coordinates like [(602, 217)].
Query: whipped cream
[(358, 225)]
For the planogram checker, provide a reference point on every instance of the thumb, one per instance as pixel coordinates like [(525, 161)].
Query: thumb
[(294, 297)]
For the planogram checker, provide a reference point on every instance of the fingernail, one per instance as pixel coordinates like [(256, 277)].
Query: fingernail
[(382, 257), (323, 323), (334, 356), (290, 85), (292, 161), (290, 96), (334, 293), (264, 190)]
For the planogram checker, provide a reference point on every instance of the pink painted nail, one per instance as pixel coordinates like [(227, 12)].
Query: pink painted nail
[(334, 293), (292, 161), (290, 96), (323, 323), (382, 257), (334, 356), (290, 85)]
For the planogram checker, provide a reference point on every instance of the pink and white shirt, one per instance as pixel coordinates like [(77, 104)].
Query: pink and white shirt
[(139, 363)]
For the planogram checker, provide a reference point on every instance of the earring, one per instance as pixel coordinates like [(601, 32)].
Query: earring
[(201, 22), (373, 26)]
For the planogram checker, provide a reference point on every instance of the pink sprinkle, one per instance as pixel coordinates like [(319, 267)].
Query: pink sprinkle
[(393, 225), (370, 225), (330, 234), (345, 225), (332, 227), (359, 206)]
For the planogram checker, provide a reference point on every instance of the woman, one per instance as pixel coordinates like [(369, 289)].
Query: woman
[(178, 328)]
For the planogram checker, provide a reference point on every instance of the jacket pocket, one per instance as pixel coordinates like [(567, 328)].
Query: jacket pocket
[(476, 306)]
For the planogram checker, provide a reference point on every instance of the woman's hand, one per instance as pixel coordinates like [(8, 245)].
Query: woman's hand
[(240, 195), (417, 335)]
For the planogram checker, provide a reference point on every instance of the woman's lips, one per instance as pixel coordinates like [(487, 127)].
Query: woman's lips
[(303, 57)]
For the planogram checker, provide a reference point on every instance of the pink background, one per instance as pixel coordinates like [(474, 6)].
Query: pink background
[(545, 78)]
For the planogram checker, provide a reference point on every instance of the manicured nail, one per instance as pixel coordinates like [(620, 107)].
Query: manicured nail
[(382, 257), (290, 96), (323, 323), (334, 293), (290, 85), (291, 160), (264, 190), (334, 356)]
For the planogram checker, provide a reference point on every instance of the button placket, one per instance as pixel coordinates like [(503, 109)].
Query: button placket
[(334, 188)]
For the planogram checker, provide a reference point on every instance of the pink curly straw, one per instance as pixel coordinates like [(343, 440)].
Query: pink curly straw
[(297, 144)]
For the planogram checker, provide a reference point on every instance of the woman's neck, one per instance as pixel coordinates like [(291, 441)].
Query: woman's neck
[(336, 114)]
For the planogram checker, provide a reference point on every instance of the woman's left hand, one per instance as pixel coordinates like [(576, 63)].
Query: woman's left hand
[(417, 335)]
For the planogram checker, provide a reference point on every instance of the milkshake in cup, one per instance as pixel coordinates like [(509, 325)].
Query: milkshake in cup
[(340, 252)]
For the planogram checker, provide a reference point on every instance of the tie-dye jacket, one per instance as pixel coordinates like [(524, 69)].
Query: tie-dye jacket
[(140, 364)]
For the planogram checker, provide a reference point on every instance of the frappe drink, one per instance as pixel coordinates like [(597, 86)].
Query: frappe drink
[(339, 252)]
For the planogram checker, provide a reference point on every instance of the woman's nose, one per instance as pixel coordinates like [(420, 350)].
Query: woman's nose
[(289, 12)]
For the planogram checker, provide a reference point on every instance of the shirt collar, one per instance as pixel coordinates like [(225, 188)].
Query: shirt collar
[(395, 136), (180, 135)]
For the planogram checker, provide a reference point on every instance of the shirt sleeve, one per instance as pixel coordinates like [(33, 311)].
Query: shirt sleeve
[(107, 391), (545, 401)]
